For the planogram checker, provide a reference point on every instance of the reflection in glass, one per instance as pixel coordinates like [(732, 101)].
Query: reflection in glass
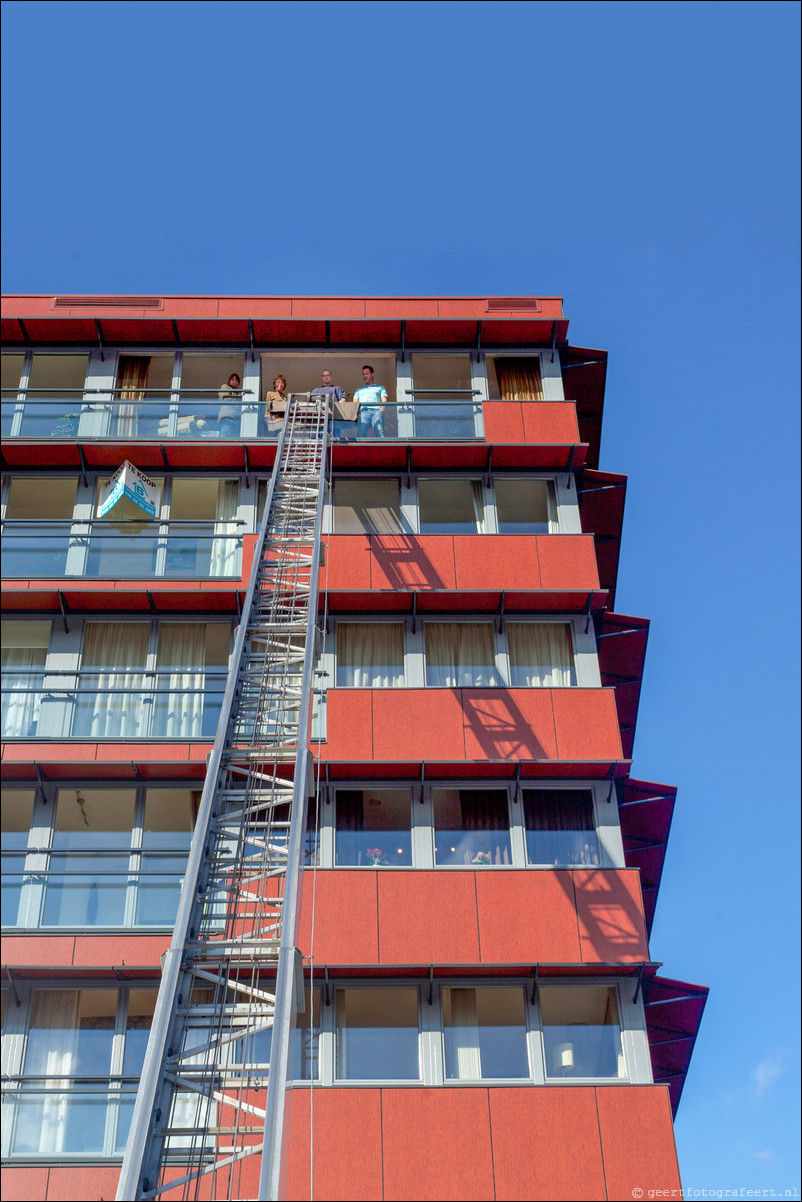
[(524, 506), (581, 1031), (17, 813), (560, 827), (377, 1035), (87, 877), (451, 506), (471, 827), (485, 1033), (373, 828), (166, 836)]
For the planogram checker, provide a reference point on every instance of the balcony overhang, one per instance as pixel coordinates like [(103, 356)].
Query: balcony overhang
[(645, 811), (621, 643), (674, 1012)]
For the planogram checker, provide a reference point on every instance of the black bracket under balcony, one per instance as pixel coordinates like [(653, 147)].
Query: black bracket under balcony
[(247, 466), (326, 994), (502, 602), (101, 348), (12, 984), (63, 607), (639, 985), (569, 467), (403, 339), (588, 609), (409, 467), (414, 611), (489, 467), (553, 340), (251, 340), (533, 995), (84, 465), (431, 984)]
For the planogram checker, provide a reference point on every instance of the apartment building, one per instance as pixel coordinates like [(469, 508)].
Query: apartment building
[(483, 1016)]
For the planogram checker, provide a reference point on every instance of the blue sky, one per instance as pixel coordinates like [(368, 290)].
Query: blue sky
[(639, 159)]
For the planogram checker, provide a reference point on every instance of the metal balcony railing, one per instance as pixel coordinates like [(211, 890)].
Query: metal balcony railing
[(166, 415), (114, 703), (100, 549)]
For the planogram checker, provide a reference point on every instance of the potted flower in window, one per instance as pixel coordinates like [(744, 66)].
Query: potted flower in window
[(376, 857), (67, 426), (481, 857)]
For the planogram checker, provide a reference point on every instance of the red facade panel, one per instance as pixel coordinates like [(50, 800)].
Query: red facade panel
[(508, 724), (586, 722), (550, 422), (546, 1145), (567, 561), (418, 724), (500, 561), (504, 421), (408, 561), (436, 1144), (347, 1145), (338, 892), (609, 906), (25, 1184), (348, 560), (349, 725), (637, 1141), (427, 918), (527, 917), (68, 1182)]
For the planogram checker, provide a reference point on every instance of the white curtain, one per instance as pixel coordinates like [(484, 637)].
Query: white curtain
[(462, 1036), (224, 545), (182, 648), (460, 654), (540, 654), (370, 655), (20, 704), (113, 689), (52, 1052), (477, 497)]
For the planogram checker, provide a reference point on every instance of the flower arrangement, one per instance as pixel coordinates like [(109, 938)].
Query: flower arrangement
[(376, 856), (481, 857)]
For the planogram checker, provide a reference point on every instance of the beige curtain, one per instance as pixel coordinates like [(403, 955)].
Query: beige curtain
[(460, 654), (182, 648), (22, 683), (541, 654), (224, 553), (111, 696), (461, 1024), (519, 379), (132, 378), (370, 655), (53, 1053)]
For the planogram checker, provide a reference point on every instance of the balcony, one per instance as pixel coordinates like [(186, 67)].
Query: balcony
[(120, 703), (129, 550)]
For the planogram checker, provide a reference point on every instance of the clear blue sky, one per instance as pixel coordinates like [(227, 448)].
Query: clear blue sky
[(639, 159)]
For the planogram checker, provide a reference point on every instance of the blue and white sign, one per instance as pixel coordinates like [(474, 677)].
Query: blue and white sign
[(130, 495)]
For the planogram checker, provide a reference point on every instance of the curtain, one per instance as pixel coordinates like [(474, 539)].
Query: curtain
[(540, 654), (477, 497), (111, 696), (20, 713), (224, 553), (132, 378), (182, 648), (463, 1060), (350, 810), (52, 1052), (460, 654), (370, 655), (519, 379)]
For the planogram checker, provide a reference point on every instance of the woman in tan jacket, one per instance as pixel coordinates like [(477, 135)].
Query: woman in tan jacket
[(275, 405)]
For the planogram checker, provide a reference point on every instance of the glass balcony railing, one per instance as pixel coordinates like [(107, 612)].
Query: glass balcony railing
[(117, 703), (126, 550), (165, 415)]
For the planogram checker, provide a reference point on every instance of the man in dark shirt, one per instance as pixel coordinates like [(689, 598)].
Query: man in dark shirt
[(335, 394)]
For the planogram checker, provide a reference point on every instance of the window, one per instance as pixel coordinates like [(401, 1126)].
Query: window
[(370, 655), (581, 1031), (460, 654), (10, 374), (60, 1102), (373, 828), (111, 857), (36, 531), (55, 396), (525, 505), (377, 1034), (514, 378), (444, 405), (471, 827), (142, 396), (24, 654), (560, 827), (484, 1033), (451, 506), (541, 655), (367, 506)]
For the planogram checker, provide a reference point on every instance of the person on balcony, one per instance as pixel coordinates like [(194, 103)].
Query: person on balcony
[(342, 410), (275, 405), (372, 401), (230, 411)]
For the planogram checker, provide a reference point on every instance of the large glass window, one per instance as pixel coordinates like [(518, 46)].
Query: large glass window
[(166, 835), (86, 883), (17, 814), (210, 406), (367, 506), (541, 654), (525, 505), (451, 506), (460, 654), (55, 396), (11, 366), (377, 1034), (514, 379), (581, 1031), (142, 396), (443, 397), (24, 654), (560, 827), (373, 828), (370, 655), (204, 538), (471, 827), (36, 532), (485, 1032)]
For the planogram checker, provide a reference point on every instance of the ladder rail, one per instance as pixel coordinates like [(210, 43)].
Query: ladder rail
[(282, 568)]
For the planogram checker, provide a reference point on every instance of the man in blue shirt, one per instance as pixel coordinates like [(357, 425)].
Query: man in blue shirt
[(334, 394), (372, 402)]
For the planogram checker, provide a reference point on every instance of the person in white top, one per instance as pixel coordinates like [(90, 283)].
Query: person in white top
[(372, 399)]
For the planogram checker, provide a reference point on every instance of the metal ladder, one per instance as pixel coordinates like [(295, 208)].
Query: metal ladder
[(212, 1091)]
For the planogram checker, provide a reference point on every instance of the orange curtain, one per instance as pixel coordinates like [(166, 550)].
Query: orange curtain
[(519, 379), (132, 378)]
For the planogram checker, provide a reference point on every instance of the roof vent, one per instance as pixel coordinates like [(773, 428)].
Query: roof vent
[(108, 302), (494, 303)]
